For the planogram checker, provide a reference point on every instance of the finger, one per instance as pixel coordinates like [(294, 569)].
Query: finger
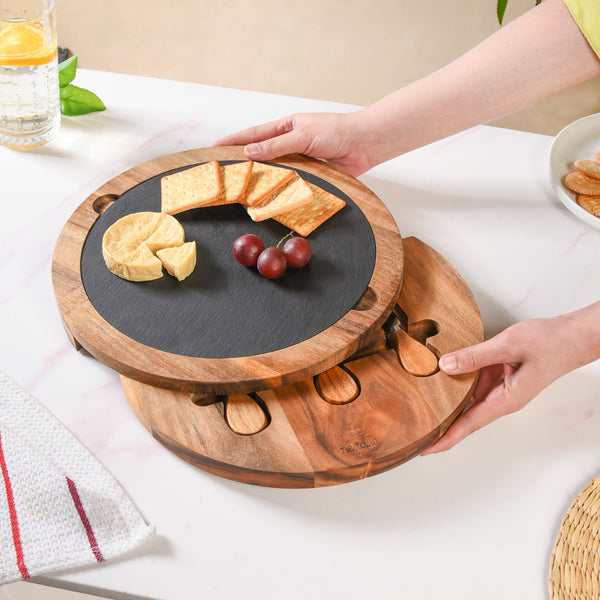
[(510, 394), (479, 415), (288, 143), (257, 133), (489, 378), (491, 352)]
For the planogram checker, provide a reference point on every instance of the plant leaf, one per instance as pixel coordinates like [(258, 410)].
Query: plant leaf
[(500, 10), (66, 71), (79, 101)]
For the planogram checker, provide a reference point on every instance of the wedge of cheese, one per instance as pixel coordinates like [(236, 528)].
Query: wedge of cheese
[(179, 261), (129, 245)]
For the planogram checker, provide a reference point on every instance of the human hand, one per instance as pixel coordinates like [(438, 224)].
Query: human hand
[(332, 137), (516, 365)]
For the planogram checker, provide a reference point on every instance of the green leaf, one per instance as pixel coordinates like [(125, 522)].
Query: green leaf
[(79, 101), (66, 71), (501, 9)]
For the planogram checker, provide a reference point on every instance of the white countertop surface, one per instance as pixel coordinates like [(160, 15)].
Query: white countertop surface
[(479, 521)]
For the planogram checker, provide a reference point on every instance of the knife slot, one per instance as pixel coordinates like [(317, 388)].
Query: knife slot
[(421, 330), (206, 399), (436, 352), (367, 300), (414, 353), (101, 203)]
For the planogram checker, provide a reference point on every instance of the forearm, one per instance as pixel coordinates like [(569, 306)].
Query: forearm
[(541, 53), (581, 330)]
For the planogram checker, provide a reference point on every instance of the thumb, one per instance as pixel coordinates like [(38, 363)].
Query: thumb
[(472, 358)]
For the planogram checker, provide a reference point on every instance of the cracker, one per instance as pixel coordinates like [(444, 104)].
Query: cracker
[(597, 156), (197, 186), (306, 219), (580, 183), (294, 195), (235, 178), (265, 180), (590, 167), (590, 203)]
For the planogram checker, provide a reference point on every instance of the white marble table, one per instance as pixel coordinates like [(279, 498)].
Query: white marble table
[(476, 522)]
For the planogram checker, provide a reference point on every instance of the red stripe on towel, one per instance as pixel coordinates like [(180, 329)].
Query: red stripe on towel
[(84, 520), (12, 511)]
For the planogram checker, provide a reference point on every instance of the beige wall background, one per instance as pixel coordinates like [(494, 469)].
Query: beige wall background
[(351, 51)]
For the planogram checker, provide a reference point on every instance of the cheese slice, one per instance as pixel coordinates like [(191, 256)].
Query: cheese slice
[(179, 261), (129, 245)]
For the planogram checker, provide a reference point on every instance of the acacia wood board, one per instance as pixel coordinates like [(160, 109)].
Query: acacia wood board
[(377, 415), (274, 332)]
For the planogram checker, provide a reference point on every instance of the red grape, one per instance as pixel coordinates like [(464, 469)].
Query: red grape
[(297, 252), (247, 249), (272, 263)]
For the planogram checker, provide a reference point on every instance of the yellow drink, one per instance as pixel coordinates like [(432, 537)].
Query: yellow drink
[(29, 94)]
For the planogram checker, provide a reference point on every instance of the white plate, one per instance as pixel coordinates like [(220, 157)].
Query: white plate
[(577, 140)]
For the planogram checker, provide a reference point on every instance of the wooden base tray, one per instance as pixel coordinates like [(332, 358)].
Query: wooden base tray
[(360, 418)]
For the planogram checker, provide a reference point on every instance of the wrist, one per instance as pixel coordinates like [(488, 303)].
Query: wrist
[(373, 128), (583, 327)]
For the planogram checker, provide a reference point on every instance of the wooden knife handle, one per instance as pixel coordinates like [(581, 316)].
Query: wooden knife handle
[(416, 358), (244, 415)]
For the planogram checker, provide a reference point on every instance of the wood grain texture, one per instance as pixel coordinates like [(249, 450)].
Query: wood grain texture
[(87, 329), (314, 441)]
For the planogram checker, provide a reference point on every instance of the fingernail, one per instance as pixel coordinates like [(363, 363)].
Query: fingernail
[(448, 363), (252, 149)]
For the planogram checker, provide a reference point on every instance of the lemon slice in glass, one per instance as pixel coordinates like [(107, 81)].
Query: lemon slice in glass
[(25, 44)]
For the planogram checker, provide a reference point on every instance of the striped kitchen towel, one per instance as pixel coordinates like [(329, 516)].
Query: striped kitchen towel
[(59, 507)]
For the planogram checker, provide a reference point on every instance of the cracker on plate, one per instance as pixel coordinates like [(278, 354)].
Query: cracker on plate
[(265, 180), (590, 203), (197, 186), (580, 183), (306, 219), (590, 167), (294, 195), (235, 178)]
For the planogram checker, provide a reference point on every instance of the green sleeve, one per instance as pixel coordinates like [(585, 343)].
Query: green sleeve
[(587, 15)]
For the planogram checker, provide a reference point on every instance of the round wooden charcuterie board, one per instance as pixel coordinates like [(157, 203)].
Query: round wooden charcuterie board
[(225, 329)]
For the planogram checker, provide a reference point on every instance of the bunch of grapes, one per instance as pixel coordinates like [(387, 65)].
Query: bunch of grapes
[(249, 250)]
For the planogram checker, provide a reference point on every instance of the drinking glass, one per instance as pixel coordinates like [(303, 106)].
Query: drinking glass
[(29, 91)]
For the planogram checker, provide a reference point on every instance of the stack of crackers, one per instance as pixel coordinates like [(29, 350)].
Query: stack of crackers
[(266, 191), (585, 182)]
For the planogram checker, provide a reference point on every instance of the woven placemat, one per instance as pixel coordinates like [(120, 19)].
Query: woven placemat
[(575, 562)]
